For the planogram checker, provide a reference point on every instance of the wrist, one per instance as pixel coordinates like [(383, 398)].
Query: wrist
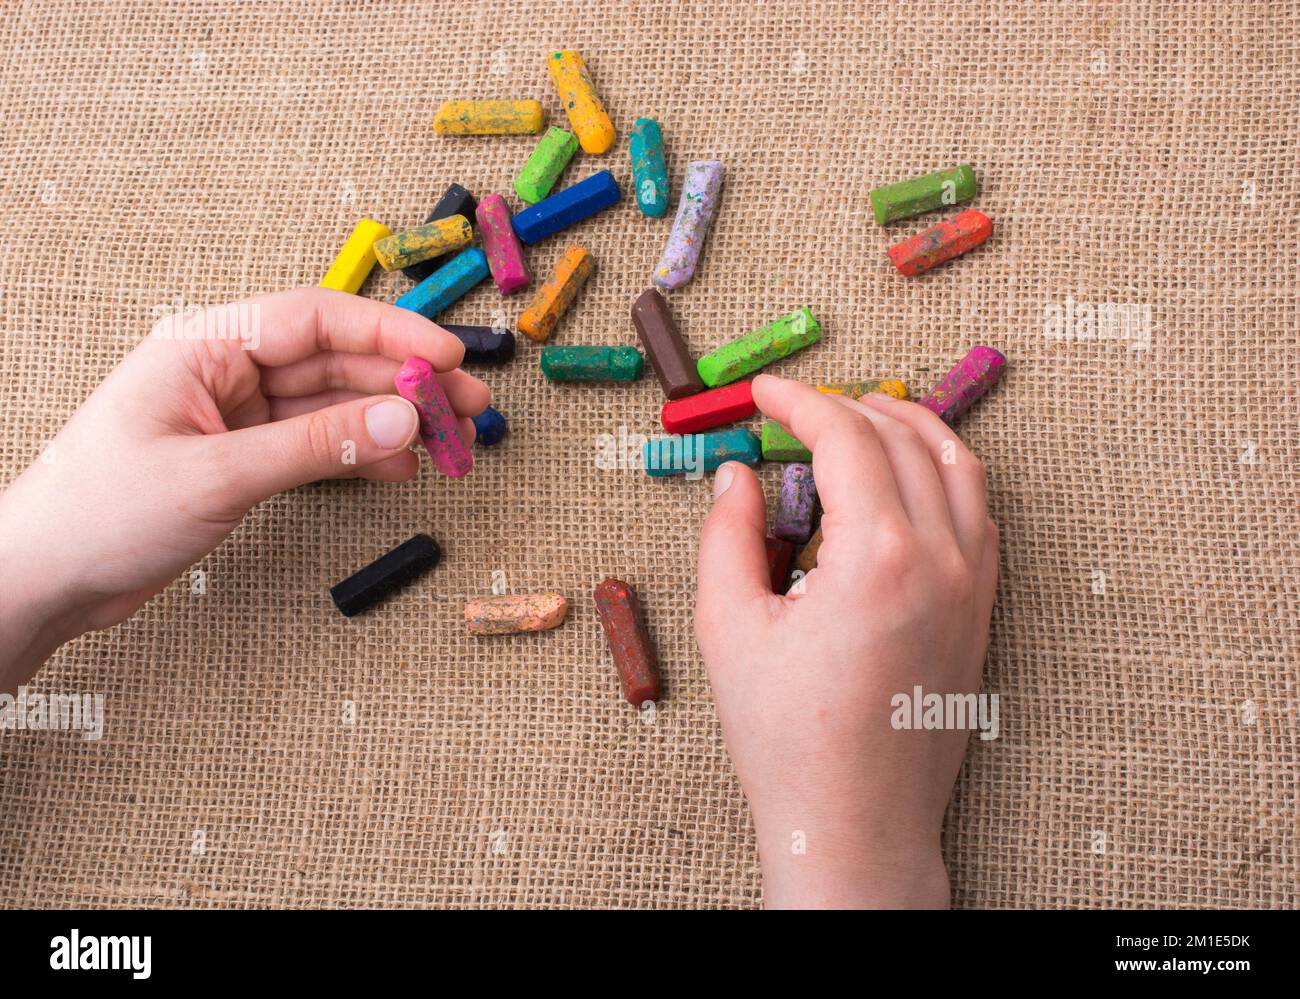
[(836, 864), (38, 611)]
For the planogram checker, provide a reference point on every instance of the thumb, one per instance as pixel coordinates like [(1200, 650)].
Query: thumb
[(323, 444), (733, 556)]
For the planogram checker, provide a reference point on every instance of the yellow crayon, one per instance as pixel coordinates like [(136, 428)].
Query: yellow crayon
[(350, 267), (554, 297), (856, 390), (489, 118), (424, 242), (586, 114)]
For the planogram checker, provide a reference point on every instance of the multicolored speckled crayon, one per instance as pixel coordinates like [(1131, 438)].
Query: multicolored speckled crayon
[(694, 454), (512, 615), (423, 242), (856, 390), (649, 172), (505, 256), (963, 386), (445, 285), (778, 445), (941, 243), (694, 215), (578, 95), (797, 505), (439, 425), (592, 364), (760, 348), (923, 194), (554, 298), (543, 168), (489, 118)]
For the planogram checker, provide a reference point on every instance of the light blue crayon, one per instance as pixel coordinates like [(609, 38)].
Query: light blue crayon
[(448, 283), (694, 454), (649, 174)]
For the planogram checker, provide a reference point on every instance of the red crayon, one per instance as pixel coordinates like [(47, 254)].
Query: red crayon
[(634, 653), (941, 243), (709, 409)]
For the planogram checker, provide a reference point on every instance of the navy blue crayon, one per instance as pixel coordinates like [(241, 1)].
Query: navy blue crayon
[(483, 344), (568, 207), (490, 427)]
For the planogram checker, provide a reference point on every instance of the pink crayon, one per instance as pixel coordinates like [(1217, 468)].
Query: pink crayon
[(962, 387), (439, 428), (505, 255)]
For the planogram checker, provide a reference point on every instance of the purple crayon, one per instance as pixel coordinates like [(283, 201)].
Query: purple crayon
[(694, 214), (439, 427), (794, 513), (962, 387)]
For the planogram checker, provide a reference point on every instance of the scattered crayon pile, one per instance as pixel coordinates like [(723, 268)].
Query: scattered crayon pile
[(701, 395)]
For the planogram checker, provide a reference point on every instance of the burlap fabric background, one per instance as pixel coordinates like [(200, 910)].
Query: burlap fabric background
[(1144, 642)]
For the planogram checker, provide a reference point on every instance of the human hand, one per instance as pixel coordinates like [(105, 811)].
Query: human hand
[(186, 435), (901, 596)]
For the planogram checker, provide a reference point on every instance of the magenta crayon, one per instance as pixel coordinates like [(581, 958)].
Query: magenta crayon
[(962, 387), (505, 255), (439, 427)]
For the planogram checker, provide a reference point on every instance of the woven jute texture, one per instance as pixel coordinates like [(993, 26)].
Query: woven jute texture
[(1139, 155)]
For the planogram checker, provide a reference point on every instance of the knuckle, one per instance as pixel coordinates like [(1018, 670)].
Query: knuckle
[(319, 438), (895, 554)]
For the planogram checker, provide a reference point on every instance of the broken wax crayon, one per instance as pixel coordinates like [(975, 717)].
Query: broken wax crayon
[(505, 256), (923, 194), (439, 425), (807, 560), (555, 297), (424, 242), (568, 207), (694, 454), (591, 364), (663, 343), (444, 286), (483, 344), (649, 172), (779, 555), (489, 427), (513, 615), (759, 348), (385, 575), (454, 201), (488, 118), (779, 445), (634, 653), (856, 390), (586, 113), (543, 168), (357, 258), (725, 404), (940, 243), (797, 505), (966, 383), (695, 212)]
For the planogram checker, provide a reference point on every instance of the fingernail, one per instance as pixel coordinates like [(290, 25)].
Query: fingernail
[(722, 478), (391, 423)]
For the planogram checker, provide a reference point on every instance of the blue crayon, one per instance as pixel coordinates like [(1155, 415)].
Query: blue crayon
[(694, 454), (649, 174), (448, 283), (490, 427), (568, 207)]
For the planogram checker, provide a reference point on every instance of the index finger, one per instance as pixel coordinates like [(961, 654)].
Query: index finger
[(854, 479), (293, 325)]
